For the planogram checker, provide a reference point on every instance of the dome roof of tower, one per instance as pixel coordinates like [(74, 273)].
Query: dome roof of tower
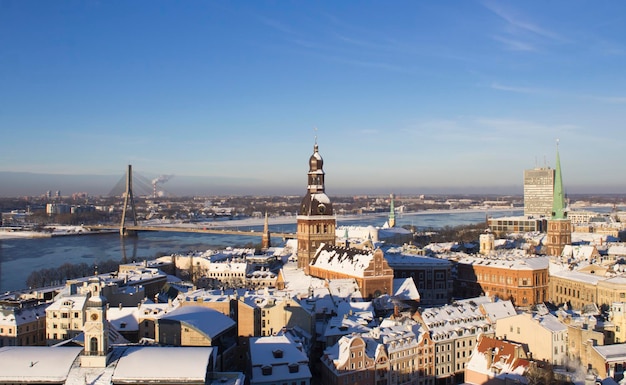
[(315, 161), (96, 301), (316, 204)]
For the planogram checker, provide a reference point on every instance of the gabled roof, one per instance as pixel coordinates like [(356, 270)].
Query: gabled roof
[(348, 261), (404, 288), (494, 356), (498, 310)]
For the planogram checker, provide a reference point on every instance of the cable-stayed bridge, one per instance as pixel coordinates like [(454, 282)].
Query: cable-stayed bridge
[(127, 192)]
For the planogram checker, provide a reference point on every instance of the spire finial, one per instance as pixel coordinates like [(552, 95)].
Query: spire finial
[(315, 129)]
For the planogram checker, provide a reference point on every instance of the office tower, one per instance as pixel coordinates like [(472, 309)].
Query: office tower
[(538, 192)]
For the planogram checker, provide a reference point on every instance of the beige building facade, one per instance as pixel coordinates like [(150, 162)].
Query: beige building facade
[(545, 335)]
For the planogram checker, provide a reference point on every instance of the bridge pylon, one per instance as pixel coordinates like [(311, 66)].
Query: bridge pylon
[(128, 197)]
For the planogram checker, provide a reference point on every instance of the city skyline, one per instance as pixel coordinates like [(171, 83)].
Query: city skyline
[(407, 97)]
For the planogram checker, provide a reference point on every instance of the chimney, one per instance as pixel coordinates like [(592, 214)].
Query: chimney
[(489, 353)]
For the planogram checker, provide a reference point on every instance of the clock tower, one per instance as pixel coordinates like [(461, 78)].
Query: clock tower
[(316, 219), (96, 329)]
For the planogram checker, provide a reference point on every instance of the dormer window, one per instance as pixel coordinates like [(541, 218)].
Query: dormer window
[(266, 370), (293, 368), (278, 353)]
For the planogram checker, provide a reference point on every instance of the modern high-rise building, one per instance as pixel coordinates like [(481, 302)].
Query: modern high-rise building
[(316, 219), (538, 192)]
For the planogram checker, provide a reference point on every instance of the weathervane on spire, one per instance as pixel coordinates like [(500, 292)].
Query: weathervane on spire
[(315, 129)]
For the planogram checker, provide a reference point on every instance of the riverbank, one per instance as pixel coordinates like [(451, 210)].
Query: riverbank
[(59, 230), (50, 231)]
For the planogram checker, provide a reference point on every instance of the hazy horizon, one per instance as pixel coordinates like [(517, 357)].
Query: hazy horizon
[(405, 95), (13, 184)]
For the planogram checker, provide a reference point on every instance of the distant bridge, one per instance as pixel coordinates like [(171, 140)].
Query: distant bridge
[(132, 230), (187, 229)]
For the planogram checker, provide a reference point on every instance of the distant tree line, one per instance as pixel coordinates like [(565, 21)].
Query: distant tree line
[(58, 275), (462, 234)]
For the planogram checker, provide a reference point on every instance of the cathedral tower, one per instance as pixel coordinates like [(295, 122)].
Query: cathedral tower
[(316, 219), (559, 227)]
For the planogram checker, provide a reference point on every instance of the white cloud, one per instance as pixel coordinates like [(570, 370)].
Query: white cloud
[(515, 45)]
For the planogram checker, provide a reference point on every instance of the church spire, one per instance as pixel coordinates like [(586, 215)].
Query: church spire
[(558, 202), (266, 241), (392, 213)]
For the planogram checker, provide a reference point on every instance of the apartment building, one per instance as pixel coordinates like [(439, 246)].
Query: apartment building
[(545, 335), (454, 330), (265, 313), (22, 325)]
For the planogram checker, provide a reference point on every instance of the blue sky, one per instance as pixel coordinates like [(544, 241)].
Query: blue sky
[(407, 96)]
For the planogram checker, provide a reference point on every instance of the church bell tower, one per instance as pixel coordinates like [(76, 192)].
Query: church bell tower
[(316, 220), (96, 329), (559, 226)]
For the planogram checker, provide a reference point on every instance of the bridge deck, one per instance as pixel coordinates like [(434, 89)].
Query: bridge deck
[(204, 230)]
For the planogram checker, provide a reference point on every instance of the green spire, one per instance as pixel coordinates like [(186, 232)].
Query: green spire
[(558, 202), (392, 213)]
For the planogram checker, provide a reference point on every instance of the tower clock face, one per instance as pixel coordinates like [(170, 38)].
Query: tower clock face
[(321, 208), (94, 317)]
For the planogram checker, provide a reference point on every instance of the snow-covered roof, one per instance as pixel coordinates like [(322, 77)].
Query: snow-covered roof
[(523, 263), (551, 323), (400, 261), (498, 310), (145, 364), (21, 316), (498, 358), (404, 288), (124, 319), (340, 352), (348, 324), (208, 321), (297, 282), (619, 249), (70, 303), (36, 364), (579, 252), (612, 353), (280, 357), (573, 275), (346, 289), (447, 321), (348, 261), (222, 267)]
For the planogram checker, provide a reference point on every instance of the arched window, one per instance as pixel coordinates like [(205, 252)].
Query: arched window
[(93, 344)]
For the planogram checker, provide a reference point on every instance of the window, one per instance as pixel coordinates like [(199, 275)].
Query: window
[(93, 344)]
